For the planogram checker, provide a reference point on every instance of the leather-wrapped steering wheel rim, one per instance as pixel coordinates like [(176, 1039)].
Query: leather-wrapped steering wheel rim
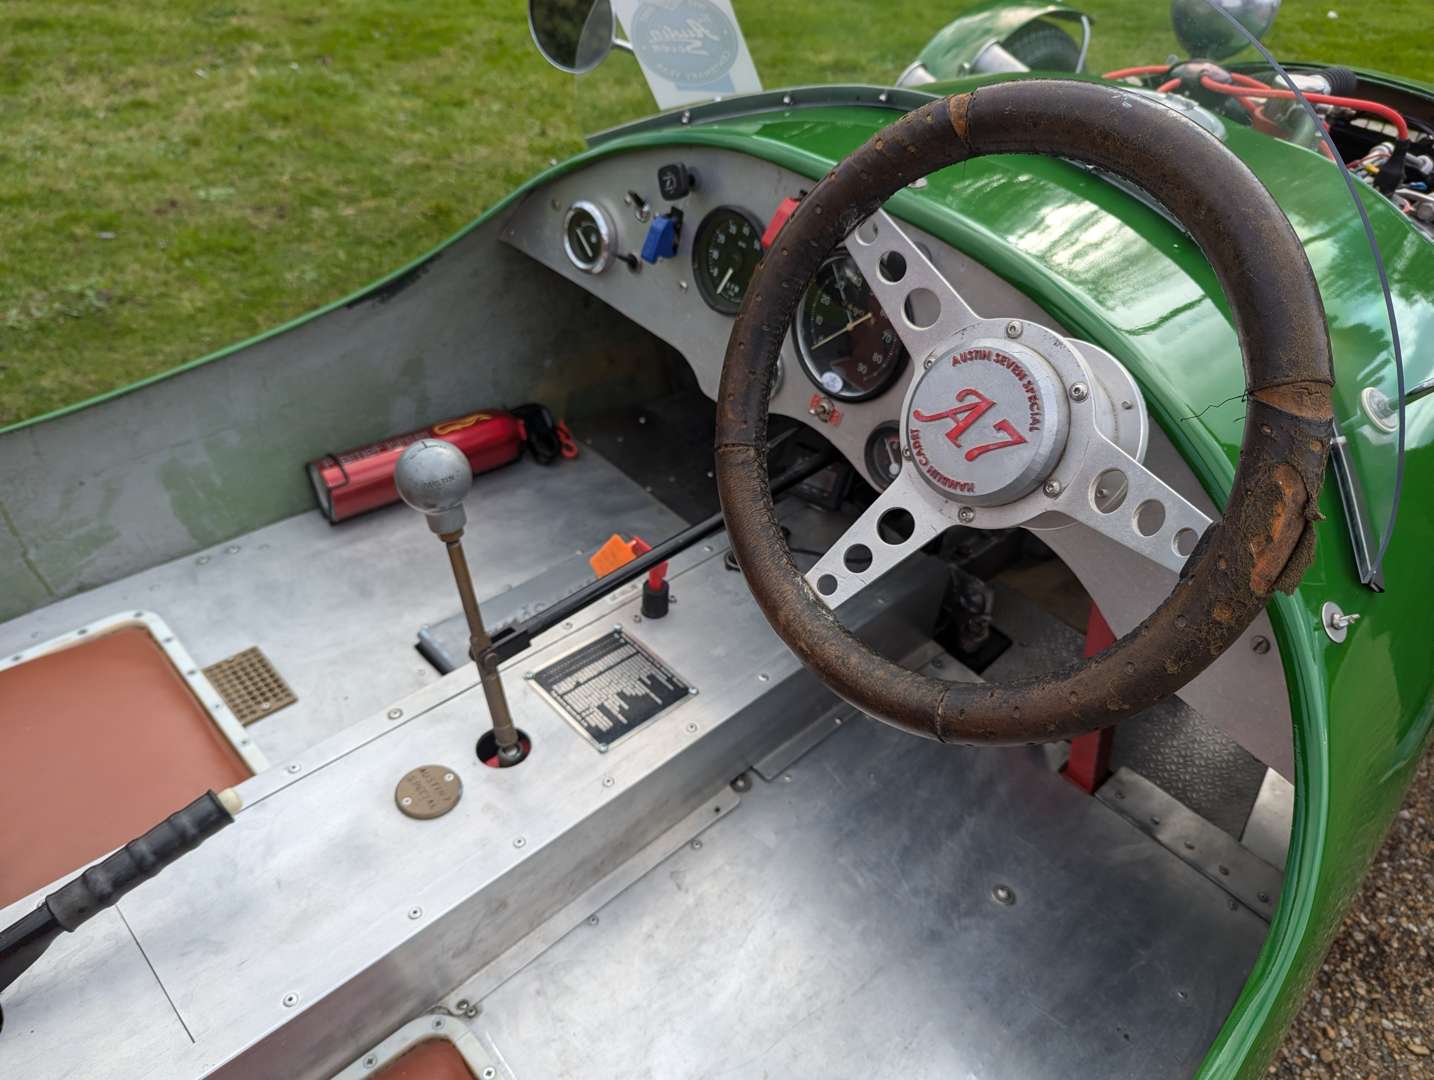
[(1265, 540)]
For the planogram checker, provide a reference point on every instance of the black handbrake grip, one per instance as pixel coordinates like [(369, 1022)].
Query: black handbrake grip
[(103, 885)]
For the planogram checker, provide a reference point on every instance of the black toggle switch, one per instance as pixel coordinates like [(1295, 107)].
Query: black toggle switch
[(675, 181)]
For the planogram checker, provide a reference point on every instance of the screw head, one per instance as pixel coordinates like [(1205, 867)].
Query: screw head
[(415, 913), (394, 714), (1004, 894), (519, 841), (292, 767), (1079, 392), (1260, 644), (1052, 488), (607, 781), (290, 999), (489, 1073), (370, 1061), (742, 783), (1014, 328), (928, 362), (906, 452), (692, 728), (966, 515)]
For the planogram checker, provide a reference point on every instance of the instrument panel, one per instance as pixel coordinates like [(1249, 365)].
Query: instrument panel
[(681, 266)]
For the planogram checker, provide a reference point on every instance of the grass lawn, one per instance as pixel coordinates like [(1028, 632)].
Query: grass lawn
[(177, 176)]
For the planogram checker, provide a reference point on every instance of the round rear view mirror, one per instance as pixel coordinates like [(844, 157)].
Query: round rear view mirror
[(573, 35)]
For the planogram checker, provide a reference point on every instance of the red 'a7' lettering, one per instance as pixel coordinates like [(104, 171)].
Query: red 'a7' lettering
[(970, 406)]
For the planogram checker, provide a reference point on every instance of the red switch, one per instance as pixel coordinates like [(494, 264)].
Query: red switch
[(785, 209)]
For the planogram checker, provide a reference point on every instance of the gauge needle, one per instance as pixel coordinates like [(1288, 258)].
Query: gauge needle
[(725, 278), (587, 248), (848, 328)]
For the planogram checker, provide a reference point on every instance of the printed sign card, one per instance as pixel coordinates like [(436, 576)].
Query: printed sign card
[(689, 50)]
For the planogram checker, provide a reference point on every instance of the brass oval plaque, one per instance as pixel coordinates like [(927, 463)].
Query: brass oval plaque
[(428, 791)]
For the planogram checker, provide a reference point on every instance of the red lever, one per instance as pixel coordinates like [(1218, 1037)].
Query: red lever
[(658, 574), (785, 209)]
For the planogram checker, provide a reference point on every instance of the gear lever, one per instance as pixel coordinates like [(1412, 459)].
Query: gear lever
[(433, 476)]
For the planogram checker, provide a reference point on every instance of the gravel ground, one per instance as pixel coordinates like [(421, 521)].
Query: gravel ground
[(1371, 1013)]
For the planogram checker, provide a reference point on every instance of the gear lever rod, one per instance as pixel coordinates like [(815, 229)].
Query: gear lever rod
[(433, 477)]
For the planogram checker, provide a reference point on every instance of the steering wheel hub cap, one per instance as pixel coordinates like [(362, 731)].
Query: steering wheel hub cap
[(986, 423)]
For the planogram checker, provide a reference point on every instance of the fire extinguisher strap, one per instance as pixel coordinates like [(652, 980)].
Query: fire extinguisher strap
[(543, 433)]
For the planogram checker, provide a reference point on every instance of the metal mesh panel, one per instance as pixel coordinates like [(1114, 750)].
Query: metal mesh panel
[(249, 685)]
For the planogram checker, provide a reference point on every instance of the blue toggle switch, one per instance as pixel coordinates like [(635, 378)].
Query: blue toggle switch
[(661, 242)]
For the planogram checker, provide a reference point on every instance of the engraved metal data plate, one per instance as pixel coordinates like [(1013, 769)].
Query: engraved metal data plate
[(610, 687)]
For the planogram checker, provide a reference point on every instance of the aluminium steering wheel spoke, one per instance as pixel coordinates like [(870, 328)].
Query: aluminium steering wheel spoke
[(1119, 497), (902, 520), (924, 308)]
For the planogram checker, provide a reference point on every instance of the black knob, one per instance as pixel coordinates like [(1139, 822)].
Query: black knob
[(675, 181)]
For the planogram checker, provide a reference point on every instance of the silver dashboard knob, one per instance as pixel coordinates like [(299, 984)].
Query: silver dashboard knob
[(433, 477)]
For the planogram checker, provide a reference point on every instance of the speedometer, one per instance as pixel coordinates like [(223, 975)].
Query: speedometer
[(725, 253), (847, 344)]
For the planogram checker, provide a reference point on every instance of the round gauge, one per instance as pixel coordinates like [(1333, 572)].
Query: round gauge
[(725, 253), (587, 237), (883, 455), (846, 343)]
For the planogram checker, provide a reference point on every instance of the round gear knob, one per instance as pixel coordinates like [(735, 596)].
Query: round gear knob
[(433, 476)]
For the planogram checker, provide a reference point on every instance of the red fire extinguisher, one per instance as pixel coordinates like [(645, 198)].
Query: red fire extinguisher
[(355, 481)]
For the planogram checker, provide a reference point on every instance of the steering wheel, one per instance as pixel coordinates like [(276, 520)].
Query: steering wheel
[(1002, 420)]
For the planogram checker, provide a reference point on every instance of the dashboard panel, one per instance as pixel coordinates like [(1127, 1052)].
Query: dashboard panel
[(865, 367)]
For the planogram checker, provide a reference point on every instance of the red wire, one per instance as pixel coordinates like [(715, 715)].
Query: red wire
[(1148, 69), (1363, 105), (1166, 87)]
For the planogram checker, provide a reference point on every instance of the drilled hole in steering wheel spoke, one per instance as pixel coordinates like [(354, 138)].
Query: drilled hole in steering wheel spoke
[(1108, 491), (922, 309), (896, 526), (865, 233), (827, 584), (857, 558), (891, 267), (1184, 541), (1149, 517)]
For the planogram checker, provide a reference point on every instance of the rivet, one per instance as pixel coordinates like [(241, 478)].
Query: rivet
[(448, 778), (370, 1061), (1014, 328), (415, 913), (697, 845), (966, 515), (906, 452), (1079, 392), (489, 1073), (293, 767), (290, 999), (438, 1024), (786, 99), (1264, 897), (691, 727), (1003, 894), (764, 677), (519, 842), (1127, 405), (593, 920), (607, 781), (407, 800), (928, 362), (394, 714)]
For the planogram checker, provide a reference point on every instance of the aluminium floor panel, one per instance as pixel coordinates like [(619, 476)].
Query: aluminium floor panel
[(847, 920)]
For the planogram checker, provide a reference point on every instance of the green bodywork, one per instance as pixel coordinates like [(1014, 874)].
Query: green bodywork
[(1116, 272), (954, 49)]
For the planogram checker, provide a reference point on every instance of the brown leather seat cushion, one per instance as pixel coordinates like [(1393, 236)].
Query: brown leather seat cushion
[(432, 1059), (98, 743)]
